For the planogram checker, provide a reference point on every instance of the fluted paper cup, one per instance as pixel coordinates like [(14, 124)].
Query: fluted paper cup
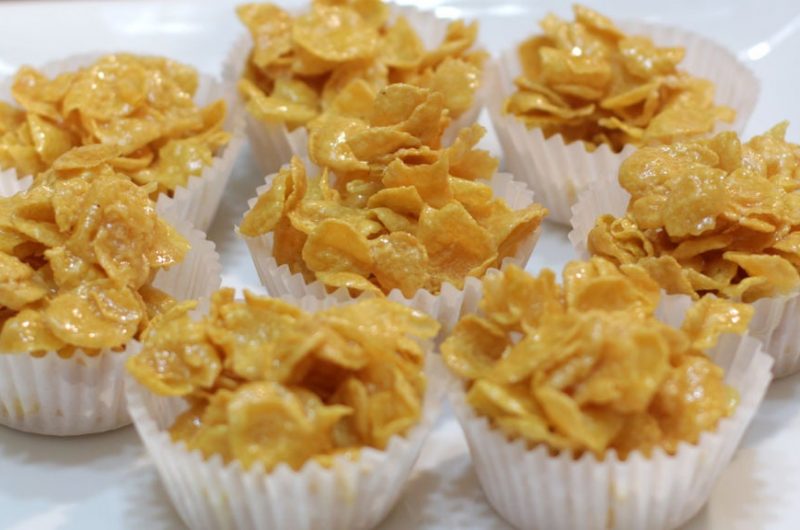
[(446, 307), (775, 324), (273, 144), (535, 490), (557, 171), (11, 185), (199, 199), (85, 394), (351, 494), (599, 198)]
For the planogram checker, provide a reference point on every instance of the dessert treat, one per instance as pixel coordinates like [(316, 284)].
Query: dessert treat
[(86, 265), (572, 102), (392, 209), (714, 216), (261, 410), (583, 388), (334, 57), (152, 119)]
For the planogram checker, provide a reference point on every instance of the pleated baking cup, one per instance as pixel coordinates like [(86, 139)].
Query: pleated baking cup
[(598, 198), (775, 324), (559, 171), (199, 199), (446, 307), (352, 494), (83, 394), (273, 144), (775, 320), (534, 490)]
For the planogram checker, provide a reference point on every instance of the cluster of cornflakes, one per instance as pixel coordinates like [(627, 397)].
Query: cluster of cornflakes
[(337, 56), (403, 213), (140, 110), (268, 383), (76, 263), (588, 81), (711, 216), (587, 366)]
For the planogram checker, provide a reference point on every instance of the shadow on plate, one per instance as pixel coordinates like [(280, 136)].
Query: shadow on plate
[(780, 405), (445, 496), (92, 463), (148, 505), (741, 500), (233, 252)]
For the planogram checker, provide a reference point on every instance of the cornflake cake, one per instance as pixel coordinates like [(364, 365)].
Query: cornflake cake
[(711, 216), (77, 258), (588, 81), (392, 207), (268, 383), (135, 113), (338, 55), (587, 367)]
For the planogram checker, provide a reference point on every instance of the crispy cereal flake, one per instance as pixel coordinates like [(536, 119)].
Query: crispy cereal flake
[(134, 113), (589, 82), (77, 270), (587, 367), (711, 216), (396, 210), (268, 383), (343, 53)]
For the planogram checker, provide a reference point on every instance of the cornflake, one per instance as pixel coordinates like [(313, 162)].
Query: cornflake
[(268, 383), (589, 82), (76, 263), (587, 367), (336, 57), (711, 216), (400, 211), (134, 113)]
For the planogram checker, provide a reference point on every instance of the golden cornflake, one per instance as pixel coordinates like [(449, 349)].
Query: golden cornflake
[(268, 383), (76, 264), (134, 113), (336, 57), (711, 216), (401, 211), (589, 82), (587, 366)]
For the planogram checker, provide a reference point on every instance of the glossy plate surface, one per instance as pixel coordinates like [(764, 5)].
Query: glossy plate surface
[(106, 481)]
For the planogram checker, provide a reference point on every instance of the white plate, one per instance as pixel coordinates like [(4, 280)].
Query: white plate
[(106, 481)]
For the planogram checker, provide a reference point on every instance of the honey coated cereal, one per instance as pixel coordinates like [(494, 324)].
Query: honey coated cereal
[(76, 263), (338, 55), (590, 82), (392, 208), (711, 216), (134, 113), (586, 366), (268, 383)]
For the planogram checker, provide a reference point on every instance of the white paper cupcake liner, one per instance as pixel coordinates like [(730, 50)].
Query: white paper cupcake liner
[(446, 307), (199, 199), (83, 394), (11, 185), (775, 324), (557, 171), (349, 495), (534, 490), (775, 320), (599, 198), (273, 144)]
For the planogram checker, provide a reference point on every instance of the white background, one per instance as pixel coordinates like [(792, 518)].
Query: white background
[(106, 481)]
